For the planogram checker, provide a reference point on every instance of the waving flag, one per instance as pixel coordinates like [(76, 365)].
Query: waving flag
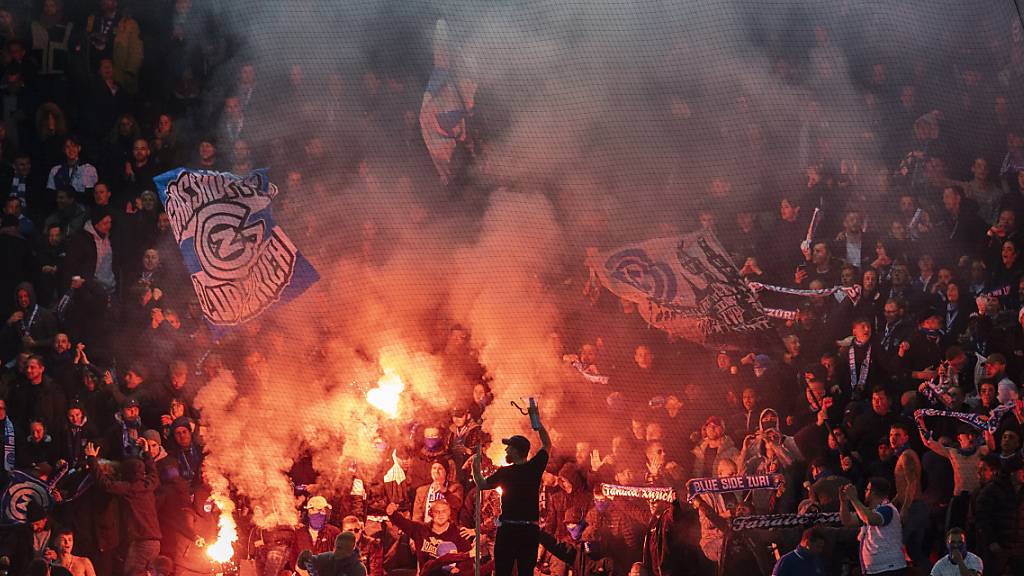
[(447, 104), (685, 285), (21, 490), (241, 263)]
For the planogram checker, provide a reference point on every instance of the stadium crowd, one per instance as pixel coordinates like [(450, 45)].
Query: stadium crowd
[(104, 346)]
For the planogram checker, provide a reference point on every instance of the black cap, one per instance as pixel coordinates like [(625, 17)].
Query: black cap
[(519, 443)]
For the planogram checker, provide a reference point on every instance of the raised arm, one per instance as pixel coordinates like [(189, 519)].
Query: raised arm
[(478, 476), (867, 516), (545, 439), (934, 446)]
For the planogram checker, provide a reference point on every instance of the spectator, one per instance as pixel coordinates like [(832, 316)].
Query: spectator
[(342, 561), (880, 536), (62, 555), (959, 561), (317, 535), (804, 560), (72, 172), (136, 493)]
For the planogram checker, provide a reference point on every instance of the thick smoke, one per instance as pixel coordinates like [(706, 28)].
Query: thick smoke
[(600, 123)]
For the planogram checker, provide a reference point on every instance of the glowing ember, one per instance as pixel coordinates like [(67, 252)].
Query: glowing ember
[(222, 550), (386, 396)]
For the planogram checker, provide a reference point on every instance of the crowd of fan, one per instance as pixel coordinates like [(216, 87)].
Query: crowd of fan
[(105, 346)]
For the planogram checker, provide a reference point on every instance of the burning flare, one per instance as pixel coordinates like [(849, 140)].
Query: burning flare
[(222, 550), (386, 396)]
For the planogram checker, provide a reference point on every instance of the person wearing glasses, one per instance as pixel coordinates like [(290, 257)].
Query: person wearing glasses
[(371, 552)]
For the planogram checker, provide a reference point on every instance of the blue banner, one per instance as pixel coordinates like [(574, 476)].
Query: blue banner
[(21, 490), (241, 263)]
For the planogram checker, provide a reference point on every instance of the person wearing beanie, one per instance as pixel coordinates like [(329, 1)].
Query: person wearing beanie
[(186, 450)]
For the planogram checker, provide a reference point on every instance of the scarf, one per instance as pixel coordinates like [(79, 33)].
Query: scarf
[(840, 293), (25, 324), (65, 175), (76, 443), (889, 341), (433, 495), (697, 486), (129, 435), (649, 493), (932, 335), (976, 420), (189, 462), (8, 445), (784, 520), (859, 378)]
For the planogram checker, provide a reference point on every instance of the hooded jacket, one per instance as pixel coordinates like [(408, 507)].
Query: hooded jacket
[(82, 256), (137, 495), (328, 564)]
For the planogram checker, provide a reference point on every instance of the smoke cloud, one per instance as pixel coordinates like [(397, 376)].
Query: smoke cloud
[(600, 123)]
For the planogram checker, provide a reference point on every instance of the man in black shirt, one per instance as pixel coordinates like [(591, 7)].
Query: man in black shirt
[(517, 538)]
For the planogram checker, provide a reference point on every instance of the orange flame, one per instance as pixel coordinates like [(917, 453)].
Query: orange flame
[(388, 393), (222, 550)]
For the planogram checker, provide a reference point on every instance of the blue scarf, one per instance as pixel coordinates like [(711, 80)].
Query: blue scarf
[(189, 462), (8, 445)]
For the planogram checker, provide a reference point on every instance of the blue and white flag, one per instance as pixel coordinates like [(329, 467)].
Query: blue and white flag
[(21, 490), (447, 104), (685, 285), (241, 263)]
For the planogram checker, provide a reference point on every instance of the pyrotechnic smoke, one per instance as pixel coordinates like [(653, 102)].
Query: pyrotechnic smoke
[(606, 121)]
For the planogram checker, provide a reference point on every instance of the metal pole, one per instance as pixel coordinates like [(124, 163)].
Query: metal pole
[(479, 499)]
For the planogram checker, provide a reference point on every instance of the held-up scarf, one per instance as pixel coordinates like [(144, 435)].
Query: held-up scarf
[(649, 493), (785, 520), (592, 378), (976, 420), (858, 380), (698, 486), (839, 292), (8, 445)]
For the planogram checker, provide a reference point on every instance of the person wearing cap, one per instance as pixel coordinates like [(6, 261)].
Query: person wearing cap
[(517, 537), (714, 447), (317, 535), (463, 437), (186, 451), (441, 486)]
